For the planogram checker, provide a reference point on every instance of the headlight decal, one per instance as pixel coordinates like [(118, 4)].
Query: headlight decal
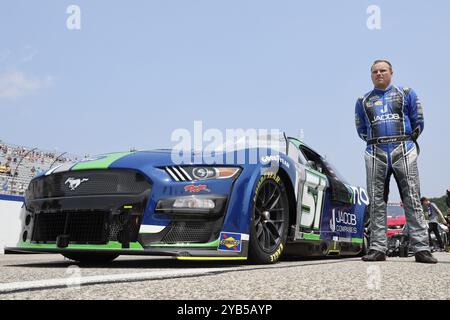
[(185, 173), (169, 171), (194, 173)]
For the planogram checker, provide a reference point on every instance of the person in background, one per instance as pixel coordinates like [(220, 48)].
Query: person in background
[(448, 202), (448, 217), (435, 216)]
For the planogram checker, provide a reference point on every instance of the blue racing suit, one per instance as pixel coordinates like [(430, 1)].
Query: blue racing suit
[(389, 113), (390, 121)]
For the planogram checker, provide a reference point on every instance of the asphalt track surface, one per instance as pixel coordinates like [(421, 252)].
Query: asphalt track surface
[(51, 277)]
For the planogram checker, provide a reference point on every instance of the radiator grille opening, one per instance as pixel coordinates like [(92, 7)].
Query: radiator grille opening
[(82, 227), (121, 224), (87, 183), (189, 232)]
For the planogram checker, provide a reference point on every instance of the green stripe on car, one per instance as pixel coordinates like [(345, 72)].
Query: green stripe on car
[(103, 162), (112, 245), (309, 236)]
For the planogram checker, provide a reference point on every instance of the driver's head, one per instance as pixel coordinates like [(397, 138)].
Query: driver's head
[(382, 72), (424, 201)]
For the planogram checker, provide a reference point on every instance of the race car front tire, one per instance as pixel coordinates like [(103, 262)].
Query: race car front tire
[(270, 220)]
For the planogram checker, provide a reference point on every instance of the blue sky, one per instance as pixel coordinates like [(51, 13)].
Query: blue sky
[(137, 70)]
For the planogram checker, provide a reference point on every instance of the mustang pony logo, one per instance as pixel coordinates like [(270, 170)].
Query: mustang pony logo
[(75, 183)]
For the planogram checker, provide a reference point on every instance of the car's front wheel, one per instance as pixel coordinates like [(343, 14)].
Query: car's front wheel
[(270, 220), (91, 257)]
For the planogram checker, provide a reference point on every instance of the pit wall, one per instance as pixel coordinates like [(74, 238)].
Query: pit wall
[(10, 225)]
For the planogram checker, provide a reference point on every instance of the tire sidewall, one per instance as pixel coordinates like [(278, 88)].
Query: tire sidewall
[(256, 253)]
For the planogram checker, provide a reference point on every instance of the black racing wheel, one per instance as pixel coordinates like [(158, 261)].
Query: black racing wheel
[(270, 220)]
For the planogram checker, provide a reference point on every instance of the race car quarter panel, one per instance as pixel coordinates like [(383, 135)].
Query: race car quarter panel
[(326, 226), (329, 213)]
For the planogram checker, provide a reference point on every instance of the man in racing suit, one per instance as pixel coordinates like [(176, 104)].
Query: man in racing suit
[(390, 119)]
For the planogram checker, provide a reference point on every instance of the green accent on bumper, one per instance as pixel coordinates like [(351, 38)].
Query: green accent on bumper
[(112, 245), (102, 163), (308, 236), (357, 240), (213, 244)]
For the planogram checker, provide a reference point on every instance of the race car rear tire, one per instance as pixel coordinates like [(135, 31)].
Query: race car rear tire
[(91, 257), (270, 220)]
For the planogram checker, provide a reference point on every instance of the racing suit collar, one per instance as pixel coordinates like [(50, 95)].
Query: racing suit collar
[(376, 90)]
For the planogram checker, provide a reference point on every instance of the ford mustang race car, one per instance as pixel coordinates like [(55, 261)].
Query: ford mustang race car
[(289, 200)]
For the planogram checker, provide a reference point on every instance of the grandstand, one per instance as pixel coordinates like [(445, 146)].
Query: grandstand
[(19, 164)]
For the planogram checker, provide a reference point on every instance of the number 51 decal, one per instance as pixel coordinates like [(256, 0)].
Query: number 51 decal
[(312, 200)]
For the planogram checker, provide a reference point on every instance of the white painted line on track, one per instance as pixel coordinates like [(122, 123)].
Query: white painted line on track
[(70, 281), (141, 276)]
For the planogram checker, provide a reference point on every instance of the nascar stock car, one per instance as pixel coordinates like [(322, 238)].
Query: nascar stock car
[(288, 201)]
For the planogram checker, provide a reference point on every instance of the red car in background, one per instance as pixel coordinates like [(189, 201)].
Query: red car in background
[(396, 219)]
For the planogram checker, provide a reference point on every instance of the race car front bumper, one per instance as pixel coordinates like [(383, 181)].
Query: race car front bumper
[(207, 251)]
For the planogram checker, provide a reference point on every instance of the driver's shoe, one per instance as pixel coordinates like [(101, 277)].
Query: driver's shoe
[(374, 255), (425, 257)]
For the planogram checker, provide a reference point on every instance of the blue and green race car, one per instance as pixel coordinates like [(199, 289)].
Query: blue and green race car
[(286, 201)]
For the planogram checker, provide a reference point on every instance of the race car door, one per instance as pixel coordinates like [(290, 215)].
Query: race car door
[(311, 196), (334, 214), (311, 185)]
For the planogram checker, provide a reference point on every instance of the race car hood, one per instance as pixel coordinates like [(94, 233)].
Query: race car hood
[(138, 160), (147, 161), (152, 162), (265, 148)]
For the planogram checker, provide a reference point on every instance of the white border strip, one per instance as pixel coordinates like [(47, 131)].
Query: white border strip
[(245, 237), (151, 228)]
